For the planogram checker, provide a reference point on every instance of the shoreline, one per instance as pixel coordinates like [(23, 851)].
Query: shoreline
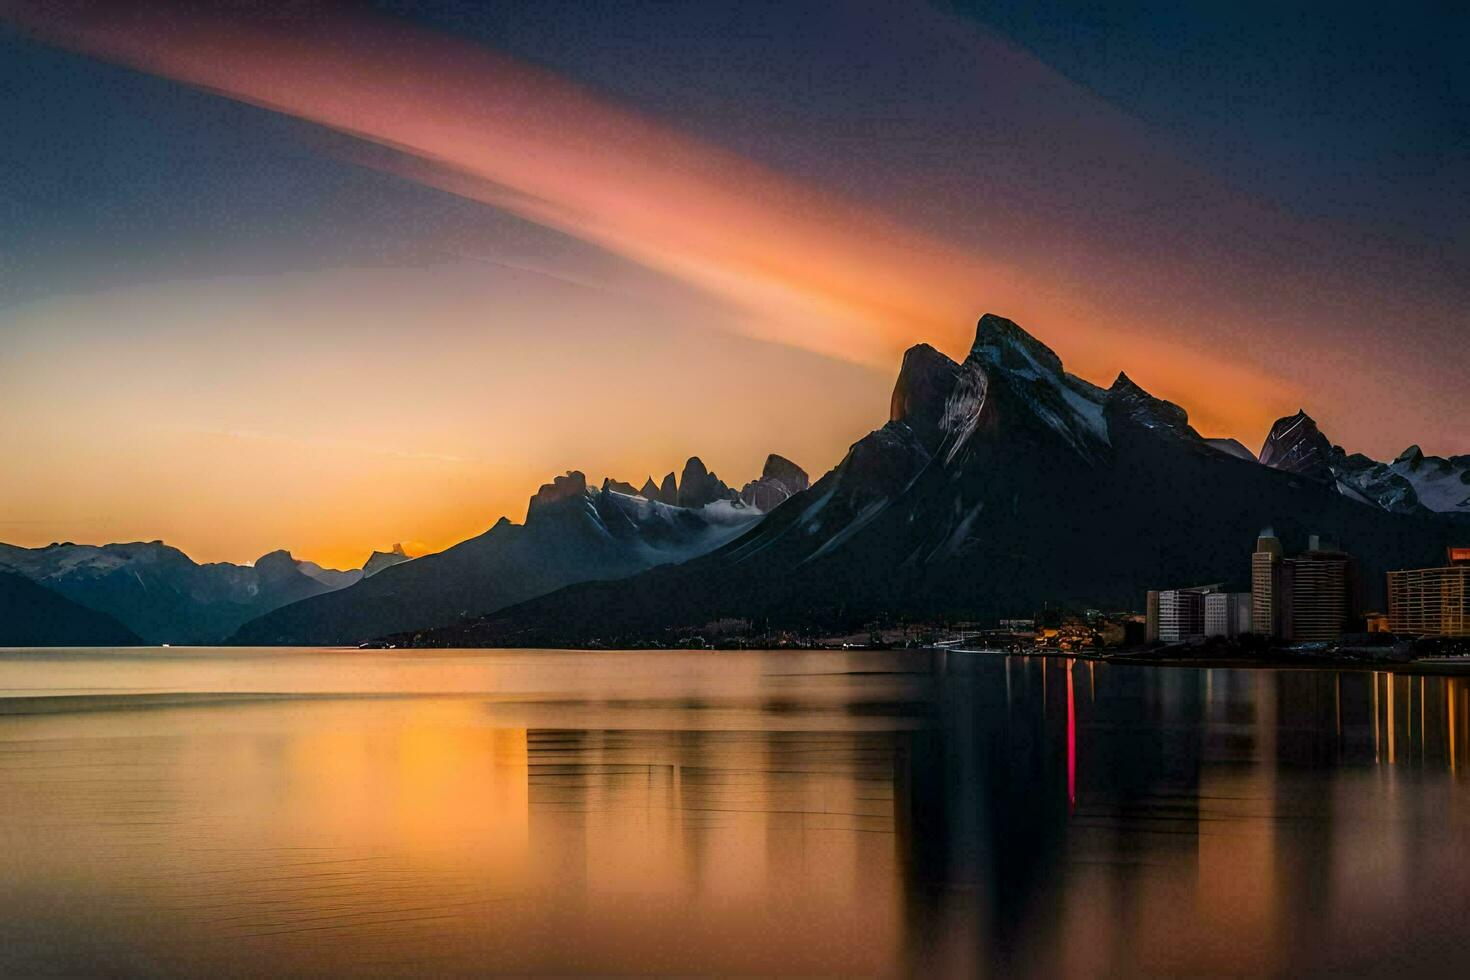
[(1444, 666)]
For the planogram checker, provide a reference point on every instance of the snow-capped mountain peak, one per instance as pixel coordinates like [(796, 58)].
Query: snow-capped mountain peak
[(1412, 483)]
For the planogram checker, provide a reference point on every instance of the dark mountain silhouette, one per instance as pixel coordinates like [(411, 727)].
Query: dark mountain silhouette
[(1231, 446), (159, 592), (34, 616), (572, 533), (998, 484)]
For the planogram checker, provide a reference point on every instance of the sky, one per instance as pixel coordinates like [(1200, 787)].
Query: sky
[(330, 277)]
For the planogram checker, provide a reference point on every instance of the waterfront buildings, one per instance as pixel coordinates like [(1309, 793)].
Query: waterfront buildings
[(1311, 598), (1266, 584), (1432, 601), (1181, 615), (1227, 614), (1177, 615)]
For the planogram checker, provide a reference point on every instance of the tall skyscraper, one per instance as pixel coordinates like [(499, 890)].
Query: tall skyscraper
[(1432, 601), (1151, 617), (1266, 585)]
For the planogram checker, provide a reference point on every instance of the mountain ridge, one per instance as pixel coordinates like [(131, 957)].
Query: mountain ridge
[(573, 531), (164, 596), (998, 483)]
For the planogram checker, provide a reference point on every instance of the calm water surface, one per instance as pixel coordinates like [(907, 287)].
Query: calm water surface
[(249, 812)]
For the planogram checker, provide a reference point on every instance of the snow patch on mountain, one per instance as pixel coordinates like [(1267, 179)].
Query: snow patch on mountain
[(1412, 483), (962, 409)]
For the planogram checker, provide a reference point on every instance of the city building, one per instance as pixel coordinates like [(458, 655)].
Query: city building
[(1266, 584), (1181, 614), (1227, 614), (1151, 617), (1311, 598), (1432, 601)]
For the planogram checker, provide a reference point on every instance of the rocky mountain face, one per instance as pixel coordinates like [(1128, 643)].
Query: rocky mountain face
[(999, 482), (780, 479), (573, 532), (33, 615), (161, 594), (1296, 445), (1412, 484), (698, 486)]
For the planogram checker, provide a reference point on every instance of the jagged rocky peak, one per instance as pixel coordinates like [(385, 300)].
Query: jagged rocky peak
[(780, 480), (925, 382), (608, 483), (1296, 445), (1126, 400), (1413, 457), (698, 486), (781, 469), (668, 491), (380, 560), (574, 484), (1005, 343), (650, 489)]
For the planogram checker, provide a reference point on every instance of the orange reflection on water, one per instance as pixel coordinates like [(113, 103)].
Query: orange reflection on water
[(880, 813), (420, 834)]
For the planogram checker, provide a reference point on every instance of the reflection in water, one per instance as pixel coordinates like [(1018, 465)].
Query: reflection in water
[(889, 813)]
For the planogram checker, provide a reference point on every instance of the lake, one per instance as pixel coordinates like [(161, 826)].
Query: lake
[(234, 811)]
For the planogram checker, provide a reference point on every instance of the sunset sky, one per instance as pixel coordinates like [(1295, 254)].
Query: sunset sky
[(327, 278)]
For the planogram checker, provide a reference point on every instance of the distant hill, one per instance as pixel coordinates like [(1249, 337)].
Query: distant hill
[(162, 594), (998, 484), (34, 616)]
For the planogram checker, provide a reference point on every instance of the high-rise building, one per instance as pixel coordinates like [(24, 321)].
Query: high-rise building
[(1182, 613), (1310, 598), (1432, 601), (1266, 585), (1319, 595), (1227, 614), (1151, 617)]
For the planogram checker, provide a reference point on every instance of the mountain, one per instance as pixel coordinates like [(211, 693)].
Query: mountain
[(34, 616), (1232, 447), (698, 486), (380, 560), (160, 593), (998, 484), (573, 532), (780, 479), (1412, 484), (1296, 445), (332, 578)]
